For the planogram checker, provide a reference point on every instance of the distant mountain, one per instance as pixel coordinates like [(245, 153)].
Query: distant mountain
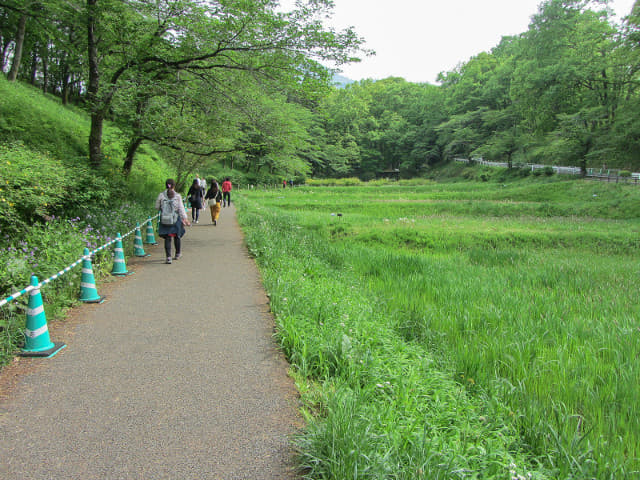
[(341, 81)]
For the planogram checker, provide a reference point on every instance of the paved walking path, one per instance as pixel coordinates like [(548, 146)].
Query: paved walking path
[(175, 376)]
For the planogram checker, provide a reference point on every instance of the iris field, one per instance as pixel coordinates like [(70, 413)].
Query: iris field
[(458, 330)]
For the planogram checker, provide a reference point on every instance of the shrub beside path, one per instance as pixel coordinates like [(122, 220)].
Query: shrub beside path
[(175, 376)]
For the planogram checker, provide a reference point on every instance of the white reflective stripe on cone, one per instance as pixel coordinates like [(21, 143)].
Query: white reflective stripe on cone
[(32, 312), (37, 332)]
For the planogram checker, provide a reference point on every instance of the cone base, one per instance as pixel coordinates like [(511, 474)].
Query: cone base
[(142, 255), (93, 300), (121, 273), (50, 352)]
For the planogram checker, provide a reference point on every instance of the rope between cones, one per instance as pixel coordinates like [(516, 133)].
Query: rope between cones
[(16, 295)]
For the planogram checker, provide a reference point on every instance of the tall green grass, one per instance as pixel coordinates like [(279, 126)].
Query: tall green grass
[(447, 331)]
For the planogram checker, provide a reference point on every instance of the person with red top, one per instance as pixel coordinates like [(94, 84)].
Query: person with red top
[(226, 192)]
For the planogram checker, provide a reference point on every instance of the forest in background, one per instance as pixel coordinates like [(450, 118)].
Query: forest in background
[(246, 86)]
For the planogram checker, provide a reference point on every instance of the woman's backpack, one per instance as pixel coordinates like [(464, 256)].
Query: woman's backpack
[(168, 213)]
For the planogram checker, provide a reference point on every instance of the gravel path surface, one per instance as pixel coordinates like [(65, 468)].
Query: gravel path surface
[(175, 376)]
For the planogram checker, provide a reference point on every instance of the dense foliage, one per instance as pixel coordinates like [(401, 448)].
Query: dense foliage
[(458, 330), (224, 79), (563, 92), (245, 85)]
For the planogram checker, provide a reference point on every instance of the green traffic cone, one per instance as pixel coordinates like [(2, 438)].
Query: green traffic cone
[(119, 263), (151, 239), (138, 249), (36, 335), (88, 292)]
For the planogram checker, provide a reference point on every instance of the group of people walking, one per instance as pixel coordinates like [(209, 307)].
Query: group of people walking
[(173, 215)]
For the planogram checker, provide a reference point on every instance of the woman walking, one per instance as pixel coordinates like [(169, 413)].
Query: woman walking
[(195, 195), (226, 192), (214, 197), (173, 217)]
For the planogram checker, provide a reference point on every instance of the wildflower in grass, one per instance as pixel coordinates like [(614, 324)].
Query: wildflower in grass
[(517, 476)]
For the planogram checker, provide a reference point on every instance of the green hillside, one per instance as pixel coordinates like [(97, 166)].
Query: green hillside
[(54, 205), (33, 122)]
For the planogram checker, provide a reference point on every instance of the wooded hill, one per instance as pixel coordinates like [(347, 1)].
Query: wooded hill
[(244, 84)]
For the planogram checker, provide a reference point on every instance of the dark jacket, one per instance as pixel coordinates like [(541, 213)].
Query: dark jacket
[(214, 192), (195, 195)]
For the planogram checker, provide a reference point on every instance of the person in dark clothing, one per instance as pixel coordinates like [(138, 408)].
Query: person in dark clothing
[(195, 196)]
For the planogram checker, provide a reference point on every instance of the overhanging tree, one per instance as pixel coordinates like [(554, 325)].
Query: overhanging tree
[(202, 37)]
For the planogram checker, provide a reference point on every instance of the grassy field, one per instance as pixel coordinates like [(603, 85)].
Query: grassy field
[(461, 330)]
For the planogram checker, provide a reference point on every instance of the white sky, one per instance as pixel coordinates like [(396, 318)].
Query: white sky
[(417, 39)]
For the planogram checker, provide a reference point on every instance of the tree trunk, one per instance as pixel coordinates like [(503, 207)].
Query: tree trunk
[(17, 54), (131, 151), (141, 107), (45, 68), (97, 116), (64, 87), (95, 140), (65, 79), (34, 67)]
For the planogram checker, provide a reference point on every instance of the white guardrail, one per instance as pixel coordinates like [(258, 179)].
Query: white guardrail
[(591, 172)]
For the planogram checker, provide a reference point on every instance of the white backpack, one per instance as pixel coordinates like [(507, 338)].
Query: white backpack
[(168, 213)]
